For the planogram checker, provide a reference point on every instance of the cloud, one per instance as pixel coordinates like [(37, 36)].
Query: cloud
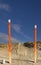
[(4, 38), (18, 29), (27, 37), (5, 7)]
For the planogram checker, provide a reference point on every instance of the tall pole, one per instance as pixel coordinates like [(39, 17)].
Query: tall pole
[(9, 40), (35, 35)]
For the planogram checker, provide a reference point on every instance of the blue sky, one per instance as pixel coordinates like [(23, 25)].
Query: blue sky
[(24, 14)]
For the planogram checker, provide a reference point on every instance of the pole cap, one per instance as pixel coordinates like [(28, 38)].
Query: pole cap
[(35, 26), (9, 20)]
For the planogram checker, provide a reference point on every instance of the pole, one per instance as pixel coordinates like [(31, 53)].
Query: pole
[(9, 40), (35, 34)]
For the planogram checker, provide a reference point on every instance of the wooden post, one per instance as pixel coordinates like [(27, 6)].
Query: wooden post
[(9, 40), (35, 35)]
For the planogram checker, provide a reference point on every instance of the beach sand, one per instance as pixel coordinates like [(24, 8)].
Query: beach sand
[(20, 56)]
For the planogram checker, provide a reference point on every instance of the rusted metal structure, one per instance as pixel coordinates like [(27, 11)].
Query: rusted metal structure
[(35, 40), (9, 40)]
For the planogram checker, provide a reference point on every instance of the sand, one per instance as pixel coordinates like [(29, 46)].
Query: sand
[(18, 58)]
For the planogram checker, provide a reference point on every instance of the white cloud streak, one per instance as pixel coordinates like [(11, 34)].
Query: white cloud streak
[(5, 7), (4, 38), (18, 29)]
